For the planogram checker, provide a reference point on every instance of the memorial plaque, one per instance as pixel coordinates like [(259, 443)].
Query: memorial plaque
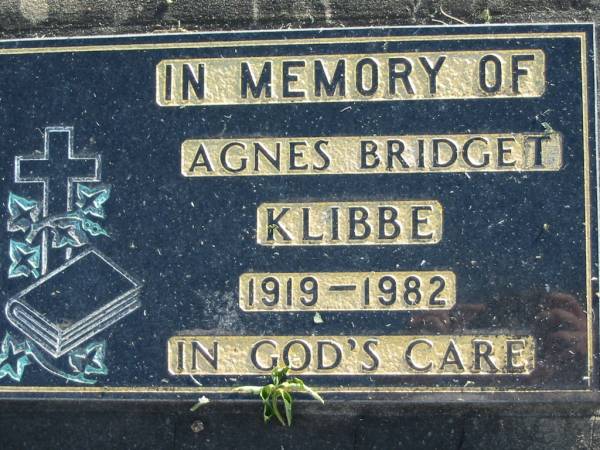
[(395, 213)]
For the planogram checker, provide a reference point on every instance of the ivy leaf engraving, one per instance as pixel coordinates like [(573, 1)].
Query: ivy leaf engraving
[(22, 212), (90, 199), (25, 260), (68, 234), (94, 228), (89, 360), (13, 358)]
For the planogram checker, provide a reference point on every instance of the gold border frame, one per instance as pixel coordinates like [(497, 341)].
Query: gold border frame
[(303, 41)]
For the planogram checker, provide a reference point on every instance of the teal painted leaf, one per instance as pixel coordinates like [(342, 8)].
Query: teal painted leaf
[(90, 199), (14, 357), (89, 360), (25, 260), (22, 212), (68, 234), (94, 228)]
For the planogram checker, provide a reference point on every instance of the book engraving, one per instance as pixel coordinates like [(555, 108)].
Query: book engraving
[(62, 313)]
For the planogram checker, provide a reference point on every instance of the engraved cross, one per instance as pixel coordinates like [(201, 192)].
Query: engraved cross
[(57, 169)]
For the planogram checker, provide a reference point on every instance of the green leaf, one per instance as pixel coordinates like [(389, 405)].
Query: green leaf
[(265, 394), (275, 406), (313, 394), (295, 384), (255, 390), (283, 387), (201, 402), (267, 411), (279, 374), (287, 402), (300, 386), (291, 386)]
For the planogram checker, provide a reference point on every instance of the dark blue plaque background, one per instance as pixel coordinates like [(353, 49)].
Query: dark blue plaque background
[(189, 239)]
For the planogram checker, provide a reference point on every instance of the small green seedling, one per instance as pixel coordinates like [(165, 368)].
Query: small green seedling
[(281, 387), (201, 402)]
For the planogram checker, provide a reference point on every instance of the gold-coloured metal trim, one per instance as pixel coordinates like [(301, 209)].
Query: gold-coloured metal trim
[(285, 42)]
